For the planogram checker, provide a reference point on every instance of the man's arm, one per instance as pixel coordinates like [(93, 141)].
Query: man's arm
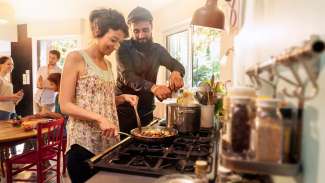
[(176, 68), (129, 77), (169, 62)]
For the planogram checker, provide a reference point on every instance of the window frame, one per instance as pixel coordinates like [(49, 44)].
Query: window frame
[(178, 28)]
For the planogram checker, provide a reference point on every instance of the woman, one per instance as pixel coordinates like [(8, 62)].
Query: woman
[(8, 99), (87, 94)]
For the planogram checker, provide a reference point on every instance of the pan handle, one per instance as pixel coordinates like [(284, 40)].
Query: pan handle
[(126, 134)]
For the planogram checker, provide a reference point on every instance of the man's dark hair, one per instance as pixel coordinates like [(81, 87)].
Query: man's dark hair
[(3, 59), (55, 78), (101, 20), (139, 14), (57, 53)]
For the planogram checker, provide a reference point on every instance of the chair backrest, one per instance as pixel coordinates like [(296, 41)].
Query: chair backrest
[(49, 136)]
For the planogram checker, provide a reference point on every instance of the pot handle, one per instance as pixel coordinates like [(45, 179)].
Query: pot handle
[(126, 134)]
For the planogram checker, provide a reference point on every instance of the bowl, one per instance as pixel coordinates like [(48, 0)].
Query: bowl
[(27, 127), (16, 122)]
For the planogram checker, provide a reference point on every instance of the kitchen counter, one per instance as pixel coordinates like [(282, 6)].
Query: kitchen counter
[(104, 176)]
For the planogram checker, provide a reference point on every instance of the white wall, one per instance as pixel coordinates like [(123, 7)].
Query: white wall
[(55, 28), (274, 26), (8, 32), (5, 48)]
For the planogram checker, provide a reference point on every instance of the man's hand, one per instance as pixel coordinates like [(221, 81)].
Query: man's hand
[(131, 99), (175, 81), (161, 92), (40, 83)]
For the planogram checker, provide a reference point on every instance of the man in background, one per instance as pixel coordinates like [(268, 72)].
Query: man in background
[(45, 96), (138, 61)]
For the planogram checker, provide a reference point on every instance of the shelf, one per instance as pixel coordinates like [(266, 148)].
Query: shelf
[(241, 165)]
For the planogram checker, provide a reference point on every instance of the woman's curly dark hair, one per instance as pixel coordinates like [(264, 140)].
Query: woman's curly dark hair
[(101, 20)]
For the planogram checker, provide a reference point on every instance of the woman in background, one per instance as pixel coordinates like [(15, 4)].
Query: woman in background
[(87, 94), (8, 99)]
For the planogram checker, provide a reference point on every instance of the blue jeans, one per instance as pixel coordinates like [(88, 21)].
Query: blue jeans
[(4, 115)]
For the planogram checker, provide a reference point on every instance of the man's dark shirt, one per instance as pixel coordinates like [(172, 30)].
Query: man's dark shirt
[(137, 71)]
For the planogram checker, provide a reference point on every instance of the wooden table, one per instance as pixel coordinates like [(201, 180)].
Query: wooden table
[(10, 135)]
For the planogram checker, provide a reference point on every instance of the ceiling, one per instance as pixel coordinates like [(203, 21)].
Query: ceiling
[(28, 11)]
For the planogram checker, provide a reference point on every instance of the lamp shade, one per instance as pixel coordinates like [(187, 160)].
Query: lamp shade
[(209, 16)]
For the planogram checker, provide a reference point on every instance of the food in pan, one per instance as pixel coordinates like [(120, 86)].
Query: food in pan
[(155, 133)]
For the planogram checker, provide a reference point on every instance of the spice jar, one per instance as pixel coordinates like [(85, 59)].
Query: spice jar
[(240, 119), (268, 129)]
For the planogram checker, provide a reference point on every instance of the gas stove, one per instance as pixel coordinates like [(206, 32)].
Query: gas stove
[(154, 160)]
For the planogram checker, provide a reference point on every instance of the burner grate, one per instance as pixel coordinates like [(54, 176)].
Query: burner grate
[(161, 159)]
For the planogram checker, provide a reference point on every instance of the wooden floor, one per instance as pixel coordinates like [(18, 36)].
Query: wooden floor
[(32, 175)]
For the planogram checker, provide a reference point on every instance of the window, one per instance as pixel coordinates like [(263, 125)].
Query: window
[(63, 45), (177, 45), (198, 49)]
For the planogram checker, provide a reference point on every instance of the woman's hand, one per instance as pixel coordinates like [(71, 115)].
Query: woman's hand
[(132, 99), (17, 97), (108, 128)]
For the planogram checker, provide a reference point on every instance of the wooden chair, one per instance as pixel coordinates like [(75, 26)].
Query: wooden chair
[(49, 148)]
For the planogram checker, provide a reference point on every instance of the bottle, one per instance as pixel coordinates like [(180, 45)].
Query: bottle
[(269, 131), (201, 168)]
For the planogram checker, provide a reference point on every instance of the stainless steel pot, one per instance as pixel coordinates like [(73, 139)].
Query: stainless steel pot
[(188, 118), (171, 114)]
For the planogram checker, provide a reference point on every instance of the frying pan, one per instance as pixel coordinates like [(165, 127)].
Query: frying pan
[(136, 134)]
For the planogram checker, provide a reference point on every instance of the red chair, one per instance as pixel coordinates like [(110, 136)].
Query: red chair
[(49, 147), (64, 147)]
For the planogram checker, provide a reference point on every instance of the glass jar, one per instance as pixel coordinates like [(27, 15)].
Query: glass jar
[(240, 119), (268, 130), (201, 168)]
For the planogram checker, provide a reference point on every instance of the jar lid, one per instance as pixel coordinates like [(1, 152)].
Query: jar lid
[(242, 91), (200, 167), (272, 102), (240, 99)]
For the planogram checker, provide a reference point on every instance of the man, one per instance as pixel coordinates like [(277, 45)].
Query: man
[(45, 96), (138, 61)]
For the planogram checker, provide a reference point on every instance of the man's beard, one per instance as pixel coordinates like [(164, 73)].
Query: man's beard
[(143, 45)]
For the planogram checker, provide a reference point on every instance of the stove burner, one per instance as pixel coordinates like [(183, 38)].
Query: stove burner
[(161, 159), (185, 166)]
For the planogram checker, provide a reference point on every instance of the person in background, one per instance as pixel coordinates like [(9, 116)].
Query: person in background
[(45, 96), (8, 99), (138, 61), (87, 94), (54, 80)]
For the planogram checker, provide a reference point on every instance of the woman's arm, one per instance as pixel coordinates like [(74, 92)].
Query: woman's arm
[(13, 97), (9, 98)]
